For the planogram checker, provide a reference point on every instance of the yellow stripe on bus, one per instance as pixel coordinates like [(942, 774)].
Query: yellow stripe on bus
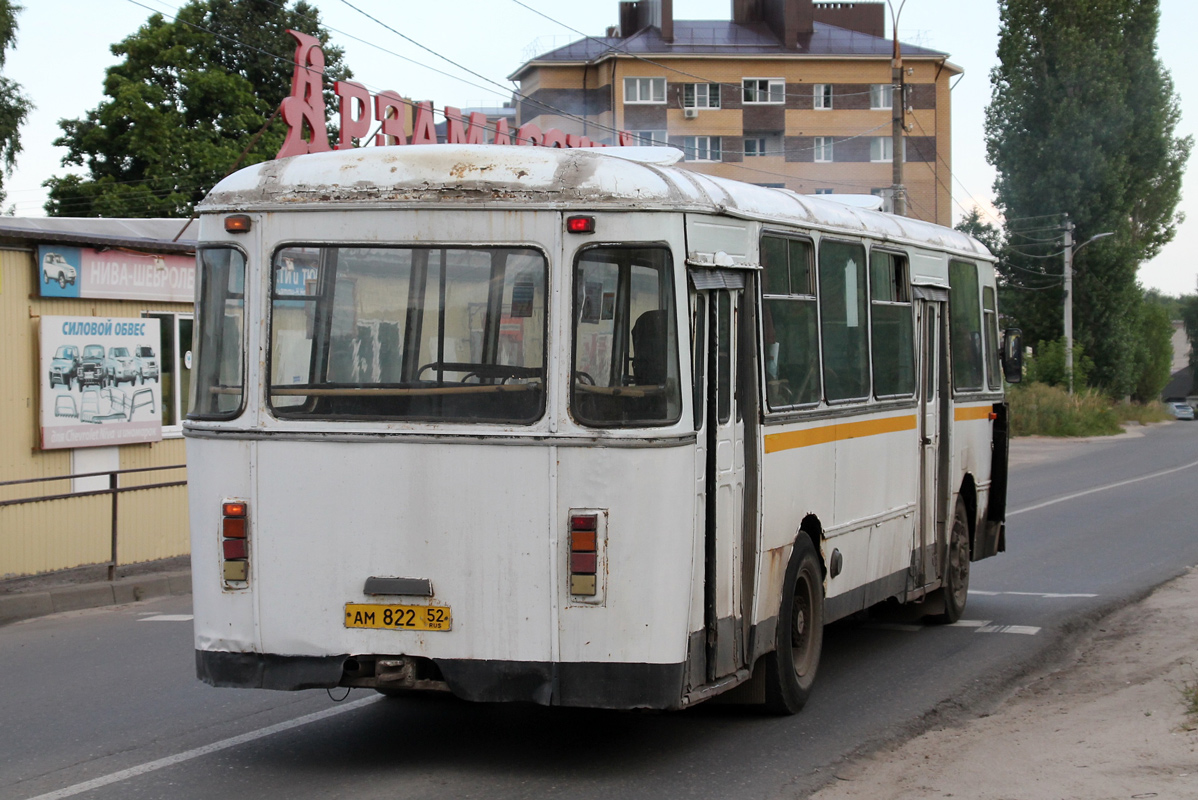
[(964, 413), (775, 442)]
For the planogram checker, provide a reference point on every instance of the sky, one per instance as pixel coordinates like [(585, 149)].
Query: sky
[(61, 67)]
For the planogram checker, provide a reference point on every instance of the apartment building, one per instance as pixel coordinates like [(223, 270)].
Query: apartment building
[(787, 93)]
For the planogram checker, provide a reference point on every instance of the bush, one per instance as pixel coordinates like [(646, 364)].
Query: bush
[(1038, 409), (1048, 365), (1143, 413)]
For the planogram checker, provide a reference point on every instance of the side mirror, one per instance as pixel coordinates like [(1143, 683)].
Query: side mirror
[(1012, 355)]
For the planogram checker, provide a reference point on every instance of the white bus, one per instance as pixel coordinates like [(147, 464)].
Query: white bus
[(576, 427)]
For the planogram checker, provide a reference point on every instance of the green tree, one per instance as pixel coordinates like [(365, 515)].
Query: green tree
[(986, 233), (1154, 361), (182, 105), (1081, 122), (14, 106)]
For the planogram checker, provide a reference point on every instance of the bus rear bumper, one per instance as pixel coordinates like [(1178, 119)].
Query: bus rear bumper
[(582, 684)]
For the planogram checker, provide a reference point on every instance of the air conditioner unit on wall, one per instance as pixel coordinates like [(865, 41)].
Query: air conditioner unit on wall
[(690, 113)]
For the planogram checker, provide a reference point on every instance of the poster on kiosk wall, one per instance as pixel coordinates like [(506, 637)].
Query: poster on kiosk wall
[(101, 381)]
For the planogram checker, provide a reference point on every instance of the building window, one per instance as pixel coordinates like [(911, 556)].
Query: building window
[(644, 90), (701, 148), (170, 366), (823, 95), (755, 146), (650, 138), (881, 149), (823, 191), (701, 95), (880, 95), (764, 90), (823, 149)]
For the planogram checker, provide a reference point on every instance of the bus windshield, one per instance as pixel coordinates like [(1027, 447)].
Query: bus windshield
[(423, 333)]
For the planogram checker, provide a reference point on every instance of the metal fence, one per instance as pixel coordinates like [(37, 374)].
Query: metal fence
[(114, 490)]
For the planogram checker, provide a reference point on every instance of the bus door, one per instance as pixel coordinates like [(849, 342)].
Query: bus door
[(723, 452), (930, 309)]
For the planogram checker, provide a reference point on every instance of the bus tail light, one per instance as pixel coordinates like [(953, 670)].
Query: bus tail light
[(584, 555), (234, 529)]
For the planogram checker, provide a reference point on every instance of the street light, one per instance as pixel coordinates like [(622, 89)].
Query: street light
[(1069, 251)]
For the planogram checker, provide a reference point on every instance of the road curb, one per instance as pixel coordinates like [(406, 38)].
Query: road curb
[(20, 606)]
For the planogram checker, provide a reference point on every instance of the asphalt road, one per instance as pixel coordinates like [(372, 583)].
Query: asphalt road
[(104, 703)]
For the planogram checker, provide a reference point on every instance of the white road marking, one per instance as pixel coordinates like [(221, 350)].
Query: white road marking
[(1076, 495), (979, 626), (1027, 630), (215, 747), (168, 618), (1049, 595)]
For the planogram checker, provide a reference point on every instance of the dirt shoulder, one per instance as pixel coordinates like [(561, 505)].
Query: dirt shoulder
[(1109, 724)]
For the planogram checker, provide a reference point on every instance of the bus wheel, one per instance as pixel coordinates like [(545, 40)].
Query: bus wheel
[(790, 669), (955, 591)]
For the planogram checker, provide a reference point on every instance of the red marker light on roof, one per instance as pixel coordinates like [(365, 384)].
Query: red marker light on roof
[(580, 224)]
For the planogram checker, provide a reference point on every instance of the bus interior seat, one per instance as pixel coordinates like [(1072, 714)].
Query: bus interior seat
[(649, 348)]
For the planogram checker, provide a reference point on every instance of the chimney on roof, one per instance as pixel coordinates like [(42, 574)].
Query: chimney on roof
[(786, 19), (867, 18), (636, 15)]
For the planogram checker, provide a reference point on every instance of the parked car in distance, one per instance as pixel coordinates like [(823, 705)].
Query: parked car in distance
[(91, 366), (56, 268), (1181, 411), (120, 366), (147, 363), (64, 367)]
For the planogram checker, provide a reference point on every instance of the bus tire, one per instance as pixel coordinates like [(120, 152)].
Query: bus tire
[(955, 590), (790, 669)]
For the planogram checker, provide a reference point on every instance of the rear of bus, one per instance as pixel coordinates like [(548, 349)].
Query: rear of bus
[(443, 450)]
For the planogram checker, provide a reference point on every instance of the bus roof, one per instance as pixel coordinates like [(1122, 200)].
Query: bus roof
[(497, 176)]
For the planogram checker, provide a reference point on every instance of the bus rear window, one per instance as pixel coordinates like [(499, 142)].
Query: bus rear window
[(216, 391), (625, 341), (421, 333)]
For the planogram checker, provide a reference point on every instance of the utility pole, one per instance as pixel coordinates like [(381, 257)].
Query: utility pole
[(1069, 301), (898, 105)]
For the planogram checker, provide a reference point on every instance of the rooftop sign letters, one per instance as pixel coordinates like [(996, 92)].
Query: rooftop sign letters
[(303, 111)]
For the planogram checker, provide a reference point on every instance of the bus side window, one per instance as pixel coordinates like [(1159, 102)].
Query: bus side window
[(892, 322), (966, 328), (842, 303), (990, 315), (790, 323)]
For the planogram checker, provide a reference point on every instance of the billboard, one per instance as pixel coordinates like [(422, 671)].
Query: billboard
[(115, 274), (101, 381)]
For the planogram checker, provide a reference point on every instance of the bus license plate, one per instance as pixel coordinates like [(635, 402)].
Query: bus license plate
[(398, 618)]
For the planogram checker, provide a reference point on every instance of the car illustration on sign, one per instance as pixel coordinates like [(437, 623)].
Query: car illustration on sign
[(91, 367), (64, 368), (120, 366), (147, 363), (55, 268)]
